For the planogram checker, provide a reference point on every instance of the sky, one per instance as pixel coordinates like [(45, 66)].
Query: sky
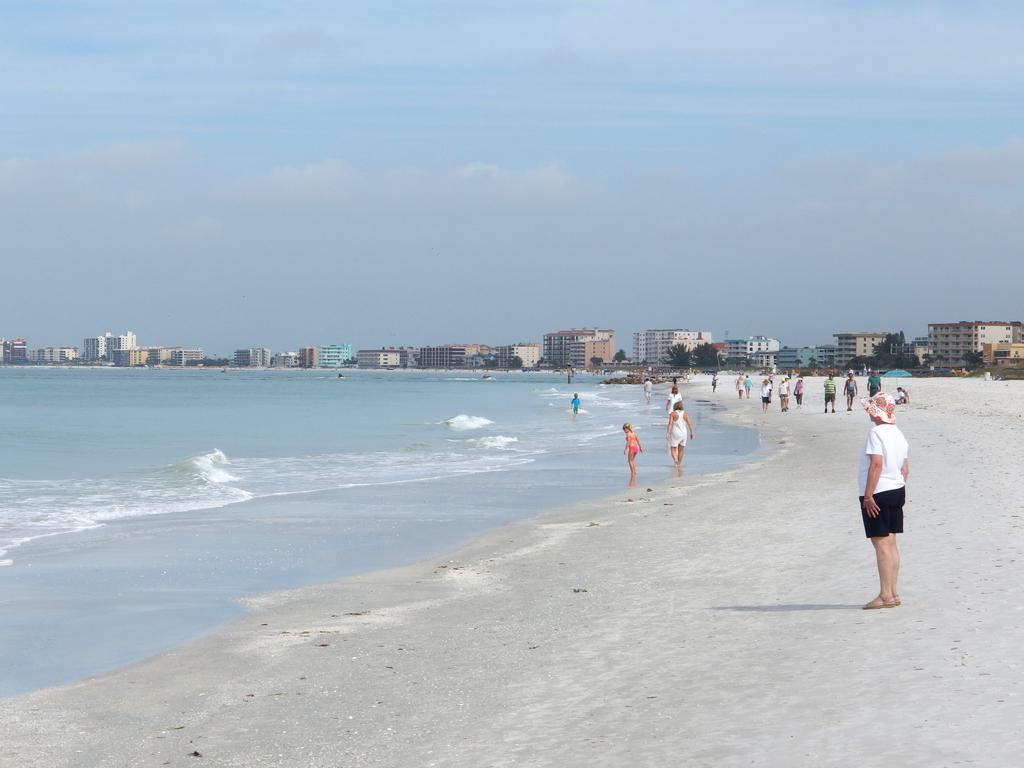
[(277, 174)]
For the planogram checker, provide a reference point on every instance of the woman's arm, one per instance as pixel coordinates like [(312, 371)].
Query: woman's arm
[(905, 469), (689, 424), (874, 472)]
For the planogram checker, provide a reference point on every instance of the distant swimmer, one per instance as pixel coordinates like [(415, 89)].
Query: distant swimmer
[(714, 381), (633, 447), (679, 427), (673, 398), (648, 390), (575, 404)]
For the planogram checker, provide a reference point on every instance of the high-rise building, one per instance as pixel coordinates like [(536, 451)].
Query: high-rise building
[(653, 345), (949, 342), (309, 357), (103, 347), (256, 357), (15, 351), (558, 345), (334, 355), (94, 348), (528, 353)]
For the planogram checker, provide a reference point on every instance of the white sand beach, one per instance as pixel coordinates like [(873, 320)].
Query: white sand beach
[(712, 622)]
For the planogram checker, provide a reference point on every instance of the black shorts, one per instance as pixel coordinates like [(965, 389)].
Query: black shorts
[(830, 397), (872, 391), (890, 513), (766, 399)]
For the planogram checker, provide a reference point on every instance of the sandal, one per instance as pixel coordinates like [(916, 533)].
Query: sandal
[(878, 602)]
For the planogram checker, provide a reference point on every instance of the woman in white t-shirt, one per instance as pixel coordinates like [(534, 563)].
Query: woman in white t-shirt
[(884, 467), (766, 395)]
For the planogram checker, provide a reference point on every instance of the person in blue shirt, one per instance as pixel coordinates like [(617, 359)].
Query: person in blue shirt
[(575, 403)]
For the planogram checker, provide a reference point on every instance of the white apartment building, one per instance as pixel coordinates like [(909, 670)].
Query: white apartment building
[(753, 350), (528, 353), (380, 358), (653, 345), (53, 355), (104, 347), (949, 342)]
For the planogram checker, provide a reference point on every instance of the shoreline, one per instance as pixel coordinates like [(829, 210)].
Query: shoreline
[(677, 625), (217, 544)]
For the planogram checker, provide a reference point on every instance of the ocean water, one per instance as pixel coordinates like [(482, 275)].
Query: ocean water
[(137, 506)]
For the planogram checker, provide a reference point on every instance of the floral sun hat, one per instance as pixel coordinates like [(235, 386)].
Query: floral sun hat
[(881, 406)]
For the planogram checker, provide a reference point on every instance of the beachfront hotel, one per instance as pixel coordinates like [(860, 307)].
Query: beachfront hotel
[(851, 344), (949, 342), (308, 357), (653, 345), (560, 352)]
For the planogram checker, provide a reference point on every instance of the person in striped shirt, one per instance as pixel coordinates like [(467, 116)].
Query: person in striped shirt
[(830, 393)]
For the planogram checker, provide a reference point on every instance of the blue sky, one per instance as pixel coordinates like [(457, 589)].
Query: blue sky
[(591, 148)]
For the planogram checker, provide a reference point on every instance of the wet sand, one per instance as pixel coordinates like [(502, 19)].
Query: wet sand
[(715, 621)]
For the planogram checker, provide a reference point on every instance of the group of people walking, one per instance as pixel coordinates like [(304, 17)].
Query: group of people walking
[(787, 389)]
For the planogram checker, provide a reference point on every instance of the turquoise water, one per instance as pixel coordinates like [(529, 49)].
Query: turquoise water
[(136, 506)]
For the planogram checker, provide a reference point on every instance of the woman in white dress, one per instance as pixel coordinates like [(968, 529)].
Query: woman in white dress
[(679, 429)]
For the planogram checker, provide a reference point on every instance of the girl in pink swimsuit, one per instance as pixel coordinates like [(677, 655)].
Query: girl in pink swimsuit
[(633, 447)]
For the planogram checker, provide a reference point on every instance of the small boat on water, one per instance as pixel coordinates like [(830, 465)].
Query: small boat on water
[(487, 377)]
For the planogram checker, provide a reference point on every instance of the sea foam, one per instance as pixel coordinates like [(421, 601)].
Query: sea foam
[(463, 422)]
